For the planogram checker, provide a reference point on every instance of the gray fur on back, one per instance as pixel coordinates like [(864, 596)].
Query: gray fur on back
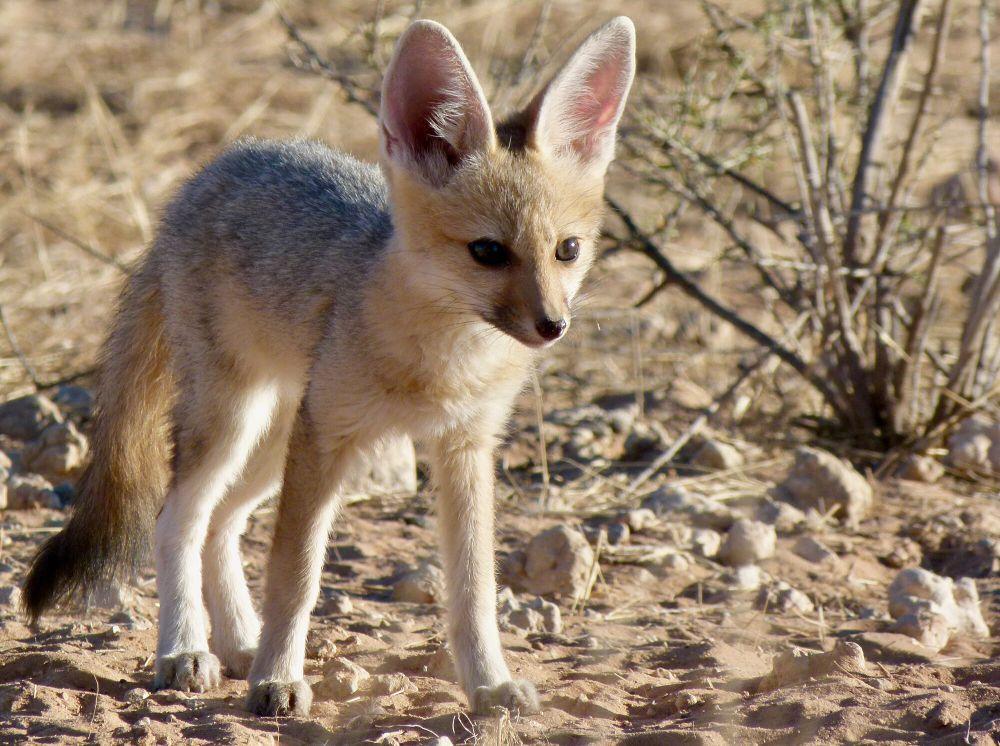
[(295, 216)]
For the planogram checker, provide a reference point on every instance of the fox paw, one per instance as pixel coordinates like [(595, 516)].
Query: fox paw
[(187, 672), (237, 663), (516, 695), (278, 699)]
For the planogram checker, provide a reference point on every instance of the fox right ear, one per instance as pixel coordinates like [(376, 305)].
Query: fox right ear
[(433, 113)]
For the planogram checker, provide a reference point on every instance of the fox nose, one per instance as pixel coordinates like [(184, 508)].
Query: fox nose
[(550, 329)]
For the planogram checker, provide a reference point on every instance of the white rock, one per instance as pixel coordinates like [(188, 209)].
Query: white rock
[(922, 595), (814, 550), (920, 469), (640, 519), (975, 446), (59, 451), (745, 578), (701, 510), (784, 516), (341, 679), (424, 585), (557, 561), (714, 454), (748, 542), (28, 491), (822, 481), (10, 597), (537, 615), (705, 542), (26, 417), (783, 598)]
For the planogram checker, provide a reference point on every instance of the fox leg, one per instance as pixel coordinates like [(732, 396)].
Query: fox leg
[(235, 626), (218, 427), (463, 472), (308, 502)]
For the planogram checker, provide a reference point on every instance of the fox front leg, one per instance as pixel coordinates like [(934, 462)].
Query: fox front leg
[(463, 471)]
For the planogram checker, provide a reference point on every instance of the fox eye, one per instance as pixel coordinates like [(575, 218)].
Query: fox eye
[(568, 250), (489, 253)]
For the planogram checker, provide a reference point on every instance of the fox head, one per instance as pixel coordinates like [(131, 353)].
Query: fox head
[(499, 222)]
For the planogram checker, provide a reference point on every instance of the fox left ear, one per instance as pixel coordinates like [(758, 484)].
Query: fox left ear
[(578, 111)]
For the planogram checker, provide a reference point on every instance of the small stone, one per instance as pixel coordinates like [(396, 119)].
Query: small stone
[(748, 542), (136, 696), (745, 578), (702, 511), (705, 542), (822, 481), (557, 562), (716, 455), (921, 594), (75, 401), (785, 517), (537, 615), (975, 446), (425, 585), (675, 561), (810, 548), (926, 627), (337, 603), (783, 598), (798, 665), (30, 491), (640, 519), (918, 468), (59, 451), (341, 679), (144, 723), (26, 417), (950, 713), (10, 596)]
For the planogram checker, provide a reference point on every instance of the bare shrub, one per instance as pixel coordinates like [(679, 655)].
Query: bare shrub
[(809, 146)]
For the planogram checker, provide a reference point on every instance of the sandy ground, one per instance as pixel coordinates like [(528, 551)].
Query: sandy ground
[(105, 107)]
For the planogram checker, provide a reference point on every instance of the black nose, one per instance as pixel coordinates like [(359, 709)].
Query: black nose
[(550, 329)]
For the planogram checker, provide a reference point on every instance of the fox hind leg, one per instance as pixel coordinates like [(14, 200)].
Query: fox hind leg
[(218, 426), (235, 624)]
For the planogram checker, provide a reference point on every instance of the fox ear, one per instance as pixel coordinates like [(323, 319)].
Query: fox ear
[(434, 113), (578, 111)]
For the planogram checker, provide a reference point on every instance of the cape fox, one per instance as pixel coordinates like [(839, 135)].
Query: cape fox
[(298, 308)]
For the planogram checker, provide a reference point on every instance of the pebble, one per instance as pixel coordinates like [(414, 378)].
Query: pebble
[(537, 615), (336, 603), (813, 550), (716, 455), (28, 491), (705, 542), (784, 516), (975, 446), (748, 542), (136, 696), (932, 609), (745, 578), (341, 680), (557, 561), (59, 451), (701, 510), (640, 519), (26, 417), (820, 480), (783, 598), (424, 585), (918, 468)]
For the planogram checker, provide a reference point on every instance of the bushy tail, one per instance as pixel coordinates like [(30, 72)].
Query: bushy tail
[(119, 494)]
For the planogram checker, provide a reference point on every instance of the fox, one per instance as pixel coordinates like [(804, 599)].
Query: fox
[(298, 309)]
